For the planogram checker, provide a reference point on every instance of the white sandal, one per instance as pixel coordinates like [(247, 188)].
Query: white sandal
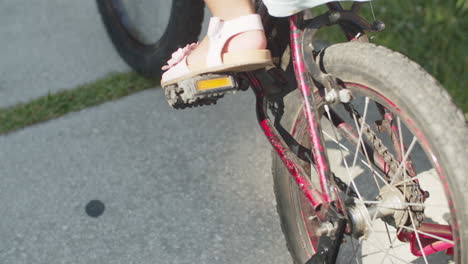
[(219, 32)]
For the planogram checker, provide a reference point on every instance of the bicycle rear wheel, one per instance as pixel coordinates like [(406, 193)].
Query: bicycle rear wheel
[(401, 113), (146, 32)]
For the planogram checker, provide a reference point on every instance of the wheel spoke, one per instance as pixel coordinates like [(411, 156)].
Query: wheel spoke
[(375, 244), (402, 149), (361, 160), (412, 179), (405, 204), (347, 149), (361, 142), (361, 131), (429, 235), (354, 257), (327, 109), (400, 135), (410, 148), (392, 247), (388, 234), (354, 251), (378, 252), (391, 243), (418, 239)]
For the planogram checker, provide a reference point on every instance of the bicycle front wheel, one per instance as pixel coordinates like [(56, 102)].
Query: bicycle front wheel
[(146, 32), (399, 150)]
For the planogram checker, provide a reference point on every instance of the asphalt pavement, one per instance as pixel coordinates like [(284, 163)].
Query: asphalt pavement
[(48, 45), (130, 181), (178, 186)]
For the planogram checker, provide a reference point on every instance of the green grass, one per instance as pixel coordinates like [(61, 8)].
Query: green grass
[(54, 105), (434, 33)]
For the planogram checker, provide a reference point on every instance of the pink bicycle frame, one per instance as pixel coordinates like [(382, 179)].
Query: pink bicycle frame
[(313, 194), (323, 194)]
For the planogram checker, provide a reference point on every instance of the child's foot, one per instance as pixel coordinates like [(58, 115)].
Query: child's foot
[(235, 45), (244, 41)]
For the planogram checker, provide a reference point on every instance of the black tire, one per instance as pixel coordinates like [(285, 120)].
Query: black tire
[(423, 101), (147, 59)]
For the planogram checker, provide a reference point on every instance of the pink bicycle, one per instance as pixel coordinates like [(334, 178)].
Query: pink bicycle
[(370, 155)]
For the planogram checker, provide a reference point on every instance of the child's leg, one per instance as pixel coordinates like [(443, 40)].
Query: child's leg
[(227, 10)]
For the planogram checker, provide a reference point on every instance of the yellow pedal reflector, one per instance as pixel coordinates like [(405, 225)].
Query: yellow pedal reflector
[(216, 83)]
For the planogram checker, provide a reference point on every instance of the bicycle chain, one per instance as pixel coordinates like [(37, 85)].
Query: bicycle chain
[(414, 193)]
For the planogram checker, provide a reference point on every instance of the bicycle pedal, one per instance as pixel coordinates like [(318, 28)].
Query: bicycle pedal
[(201, 90)]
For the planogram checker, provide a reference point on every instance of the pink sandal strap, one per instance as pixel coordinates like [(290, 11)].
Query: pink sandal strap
[(219, 32)]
